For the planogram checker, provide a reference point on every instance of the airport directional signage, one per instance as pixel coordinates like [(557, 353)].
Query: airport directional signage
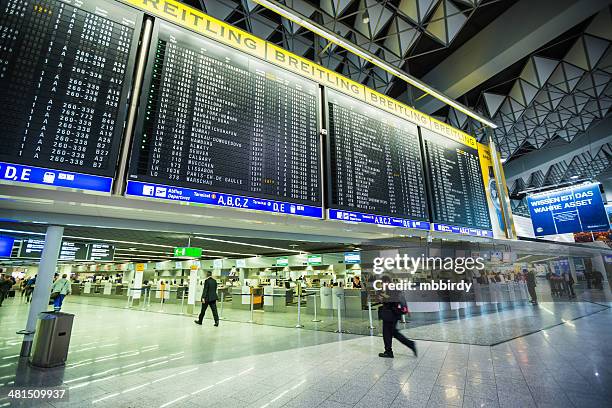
[(352, 258), (314, 260), (16, 173), (6, 246), (193, 252), (574, 209), (282, 261), (69, 251), (454, 229), (187, 195), (381, 220), (101, 252)]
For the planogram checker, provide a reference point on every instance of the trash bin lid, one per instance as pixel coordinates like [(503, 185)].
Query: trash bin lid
[(47, 316)]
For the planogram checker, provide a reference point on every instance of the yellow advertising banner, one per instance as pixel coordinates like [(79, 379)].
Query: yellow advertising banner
[(306, 68), (195, 20), (491, 190), (404, 111)]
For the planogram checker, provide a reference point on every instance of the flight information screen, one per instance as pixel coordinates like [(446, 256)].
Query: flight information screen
[(455, 177), (375, 161), (218, 120), (65, 73)]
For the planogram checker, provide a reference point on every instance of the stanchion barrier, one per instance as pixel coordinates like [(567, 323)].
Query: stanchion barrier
[(129, 297), (182, 302), (370, 315), (315, 308), (222, 302), (340, 296), (299, 322), (251, 319)]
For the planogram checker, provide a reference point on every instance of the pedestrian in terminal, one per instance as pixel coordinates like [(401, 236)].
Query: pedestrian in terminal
[(29, 288), (531, 285), (5, 287), (59, 290), (390, 312), (569, 284), (209, 298)]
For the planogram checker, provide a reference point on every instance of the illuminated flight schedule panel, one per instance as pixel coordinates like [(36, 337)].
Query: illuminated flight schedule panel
[(374, 165), (221, 128), (457, 190), (65, 72)]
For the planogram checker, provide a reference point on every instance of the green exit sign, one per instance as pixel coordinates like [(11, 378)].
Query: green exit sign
[(315, 260), (192, 252), (282, 261)]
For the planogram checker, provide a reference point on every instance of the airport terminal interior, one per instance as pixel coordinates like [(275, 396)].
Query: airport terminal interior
[(301, 203)]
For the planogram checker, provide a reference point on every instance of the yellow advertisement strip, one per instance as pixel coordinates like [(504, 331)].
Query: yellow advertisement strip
[(306, 68), (404, 111), (195, 20)]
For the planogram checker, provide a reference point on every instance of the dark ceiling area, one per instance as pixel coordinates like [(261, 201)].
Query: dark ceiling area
[(142, 246)]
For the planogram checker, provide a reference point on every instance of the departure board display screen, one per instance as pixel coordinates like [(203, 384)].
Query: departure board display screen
[(455, 178), (65, 73), (375, 161), (216, 120)]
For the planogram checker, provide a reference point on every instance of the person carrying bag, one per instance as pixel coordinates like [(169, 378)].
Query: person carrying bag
[(59, 290), (390, 312)]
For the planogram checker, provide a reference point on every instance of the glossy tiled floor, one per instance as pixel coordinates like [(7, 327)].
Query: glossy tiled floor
[(127, 358)]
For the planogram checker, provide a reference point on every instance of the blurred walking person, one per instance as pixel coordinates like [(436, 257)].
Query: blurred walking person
[(531, 285), (5, 287), (59, 290), (390, 312), (209, 298)]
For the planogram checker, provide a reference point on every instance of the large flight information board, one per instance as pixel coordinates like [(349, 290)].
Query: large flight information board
[(65, 74), (375, 161), (455, 178), (220, 121)]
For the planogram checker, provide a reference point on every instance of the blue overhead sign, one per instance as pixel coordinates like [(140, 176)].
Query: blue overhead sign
[(574, 209), (454, 229), (6, 246), (187, 195), (352, 258), (382, 220), (17, 173)]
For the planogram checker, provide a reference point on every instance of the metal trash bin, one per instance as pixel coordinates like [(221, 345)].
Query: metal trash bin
[(52, 339)]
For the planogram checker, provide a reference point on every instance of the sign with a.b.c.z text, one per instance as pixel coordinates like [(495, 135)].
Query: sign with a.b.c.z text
[(574, 209)]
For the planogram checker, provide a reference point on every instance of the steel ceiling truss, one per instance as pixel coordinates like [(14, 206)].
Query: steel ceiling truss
[(391, 29), (551, 99)]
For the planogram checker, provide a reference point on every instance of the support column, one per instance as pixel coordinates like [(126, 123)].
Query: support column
[(572, 267), (44, 280), (600, 266)]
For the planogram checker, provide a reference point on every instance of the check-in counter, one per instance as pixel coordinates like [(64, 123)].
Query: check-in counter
[(75, 288), (349, 300), (241, 298), (276, 299)]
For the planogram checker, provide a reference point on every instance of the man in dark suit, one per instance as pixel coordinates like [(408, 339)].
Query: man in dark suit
[(209, 298)]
